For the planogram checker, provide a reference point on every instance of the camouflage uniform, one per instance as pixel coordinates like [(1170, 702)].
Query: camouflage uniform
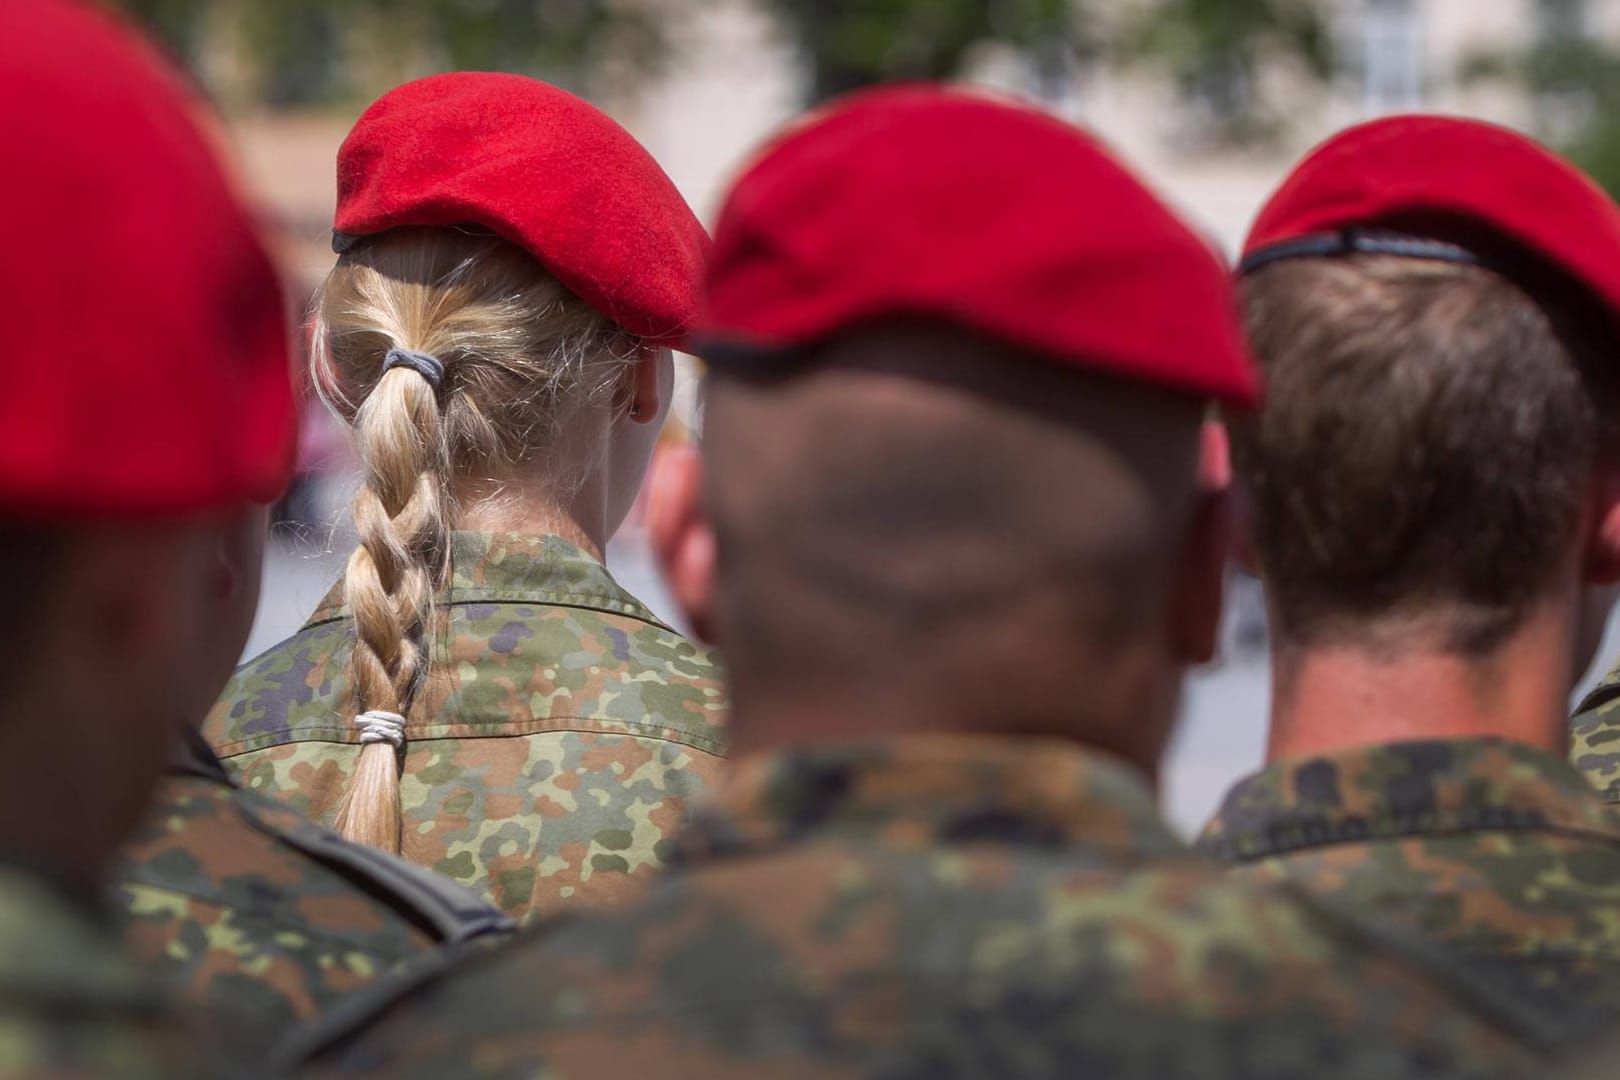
[(930, 907), (72, 1005), (554, 749), (249, 910), (1595, 736), (1495, 854), (1600, 1062)]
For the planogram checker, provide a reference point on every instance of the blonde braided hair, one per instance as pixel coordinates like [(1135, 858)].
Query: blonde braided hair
[(525, 362)]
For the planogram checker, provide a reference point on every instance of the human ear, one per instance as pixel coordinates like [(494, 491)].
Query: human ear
[(1602, 558), (682, 538), (648, 384), (1200, 584)]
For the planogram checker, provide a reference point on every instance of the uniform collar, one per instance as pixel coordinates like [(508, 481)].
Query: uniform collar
[(489, 567), (1405, 789), (924, 792), (192, 756), (1594, 735)]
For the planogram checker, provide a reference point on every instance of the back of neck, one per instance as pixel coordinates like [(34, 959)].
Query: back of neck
[(1327, 698), (513, 510)]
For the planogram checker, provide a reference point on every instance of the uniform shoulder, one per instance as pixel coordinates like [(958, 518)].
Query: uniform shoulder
[(515, 659), (291, 687), (73, 1003), (453, 914), (207, 838), (832, 962), (1595, 736)]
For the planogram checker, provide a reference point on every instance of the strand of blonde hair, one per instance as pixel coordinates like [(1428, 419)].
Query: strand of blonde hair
[(393, 574)]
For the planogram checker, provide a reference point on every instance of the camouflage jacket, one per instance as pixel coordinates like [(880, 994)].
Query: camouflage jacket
[(930, 907), (1496, 854), (1599, 1062), (71, 1004), (263, 919), (560, 735), (1595, 736)]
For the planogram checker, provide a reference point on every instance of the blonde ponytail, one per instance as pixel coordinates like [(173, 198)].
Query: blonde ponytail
[(525, 362), (400, 563)]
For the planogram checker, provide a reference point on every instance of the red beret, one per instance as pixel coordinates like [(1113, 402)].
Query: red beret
[(932, 202), (541, 168), (146, 366), (1448, 179)]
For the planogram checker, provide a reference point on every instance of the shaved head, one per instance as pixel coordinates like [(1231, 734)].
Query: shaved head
[(924, 511)]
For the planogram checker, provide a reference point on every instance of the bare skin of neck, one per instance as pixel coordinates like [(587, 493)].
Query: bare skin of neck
[(514, 511), (527, 504), (1335, 697)]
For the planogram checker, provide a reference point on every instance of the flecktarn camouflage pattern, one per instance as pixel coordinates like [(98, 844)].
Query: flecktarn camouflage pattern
[(1497, 855), (71, 1004), (552, 753), (250, 912), (1597, 1062), (1594, 735), (931, 907)]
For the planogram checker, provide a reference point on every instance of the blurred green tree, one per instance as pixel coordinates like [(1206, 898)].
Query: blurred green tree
[(560, 39), (1596, 148), (296, 48), (847, 44), (1573, 78), (175, 23), (1213, 50), (300, 48), (1216, 53)]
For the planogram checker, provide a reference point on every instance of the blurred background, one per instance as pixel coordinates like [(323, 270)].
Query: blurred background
[(1212, 99)]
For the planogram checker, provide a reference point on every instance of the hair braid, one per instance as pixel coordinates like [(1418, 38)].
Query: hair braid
[(399, 564)]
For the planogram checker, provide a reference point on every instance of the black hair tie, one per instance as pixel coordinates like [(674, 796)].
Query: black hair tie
[(427, 365)]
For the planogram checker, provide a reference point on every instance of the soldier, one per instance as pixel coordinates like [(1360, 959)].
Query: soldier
[(1434, 496), (478, 692), (147, 401), (950, 534)]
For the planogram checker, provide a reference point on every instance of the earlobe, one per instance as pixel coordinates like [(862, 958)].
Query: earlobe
[(1215, 478), (1603, 545), (695, 589), (1214, 457), (645, 377)]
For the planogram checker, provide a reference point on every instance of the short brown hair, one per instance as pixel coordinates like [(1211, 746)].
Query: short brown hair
[(1421, 461)]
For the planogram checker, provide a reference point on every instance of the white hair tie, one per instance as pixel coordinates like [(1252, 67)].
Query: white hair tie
[(379, 726)]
